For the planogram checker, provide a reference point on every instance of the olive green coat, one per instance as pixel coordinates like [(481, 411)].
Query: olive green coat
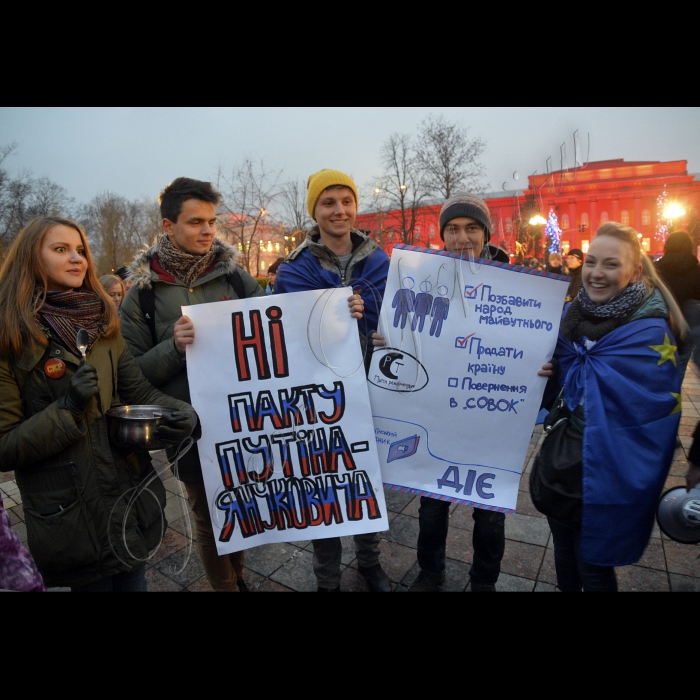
[(75, 486), (161, 364)]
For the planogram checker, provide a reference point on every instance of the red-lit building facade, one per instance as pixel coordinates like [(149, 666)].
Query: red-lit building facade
[(632, 193)]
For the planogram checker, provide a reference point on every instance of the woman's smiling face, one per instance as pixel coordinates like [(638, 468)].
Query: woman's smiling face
[(609, 269)]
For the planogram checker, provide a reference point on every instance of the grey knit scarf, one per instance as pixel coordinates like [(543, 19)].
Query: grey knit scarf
[(586, 319)]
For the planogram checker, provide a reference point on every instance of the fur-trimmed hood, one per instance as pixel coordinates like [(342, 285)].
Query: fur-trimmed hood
[(139, 270)]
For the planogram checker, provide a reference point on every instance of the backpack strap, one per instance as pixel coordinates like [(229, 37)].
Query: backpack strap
[(147, 299), (235, 281)]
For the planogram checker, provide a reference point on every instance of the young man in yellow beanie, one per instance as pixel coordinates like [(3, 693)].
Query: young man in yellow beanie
[(335, 254)]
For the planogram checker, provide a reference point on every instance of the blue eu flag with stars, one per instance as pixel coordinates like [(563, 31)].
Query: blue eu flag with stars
[(629, 384)]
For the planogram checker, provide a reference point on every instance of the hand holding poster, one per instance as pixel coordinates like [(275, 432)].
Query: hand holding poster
[(455, 394), (287, 447)]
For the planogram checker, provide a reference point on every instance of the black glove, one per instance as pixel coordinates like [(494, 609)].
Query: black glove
[(176, 426), (83, 386)]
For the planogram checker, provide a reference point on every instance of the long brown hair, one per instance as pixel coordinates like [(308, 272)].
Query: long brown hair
[(651, 279), (22, 272)]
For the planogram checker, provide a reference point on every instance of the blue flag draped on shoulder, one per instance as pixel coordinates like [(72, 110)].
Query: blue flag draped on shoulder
[(630, 387)]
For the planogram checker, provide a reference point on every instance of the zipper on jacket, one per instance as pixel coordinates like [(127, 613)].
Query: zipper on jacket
[(114, 375)]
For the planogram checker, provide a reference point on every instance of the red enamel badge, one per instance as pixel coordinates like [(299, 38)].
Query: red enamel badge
[(55, 369)]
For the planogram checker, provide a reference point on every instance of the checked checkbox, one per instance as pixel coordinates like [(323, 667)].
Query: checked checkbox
[(462, 342), (470, 292)]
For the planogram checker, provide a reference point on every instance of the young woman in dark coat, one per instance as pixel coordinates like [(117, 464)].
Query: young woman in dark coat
[(680, 270), (93, 511)]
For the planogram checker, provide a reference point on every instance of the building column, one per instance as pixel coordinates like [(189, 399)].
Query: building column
[(637, 223), (615, 209), (593, 218), (573, 226)]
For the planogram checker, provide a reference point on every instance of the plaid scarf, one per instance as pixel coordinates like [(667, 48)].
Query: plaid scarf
[(66, 313), (586, 319), (184, 266)]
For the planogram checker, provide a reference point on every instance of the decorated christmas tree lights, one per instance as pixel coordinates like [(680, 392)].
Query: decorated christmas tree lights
[(661, 228), (553, 231)]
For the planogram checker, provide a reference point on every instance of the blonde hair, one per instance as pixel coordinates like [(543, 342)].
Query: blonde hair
[(22, 272), (651, 279), (108, 281)]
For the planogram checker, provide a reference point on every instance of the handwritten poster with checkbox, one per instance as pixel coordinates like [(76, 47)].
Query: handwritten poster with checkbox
[(455, 393)]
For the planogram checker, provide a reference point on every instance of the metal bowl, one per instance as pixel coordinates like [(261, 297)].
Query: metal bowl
[(135, 427)]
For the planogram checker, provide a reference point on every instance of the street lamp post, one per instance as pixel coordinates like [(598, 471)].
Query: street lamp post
[(673, 211), (380, 214), (535, 222)]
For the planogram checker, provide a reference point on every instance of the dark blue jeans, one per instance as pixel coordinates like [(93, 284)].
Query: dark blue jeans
[(691, 346), (572, 573), (489, 540), (126, 582)]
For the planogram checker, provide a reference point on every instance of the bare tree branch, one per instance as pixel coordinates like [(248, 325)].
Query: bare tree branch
[(23, 198), (401, 185), (248, 194), (117, 228), (294, 216), (448, 158)]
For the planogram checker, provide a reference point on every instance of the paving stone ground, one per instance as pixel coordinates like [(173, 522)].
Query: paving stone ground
[(528, 563)]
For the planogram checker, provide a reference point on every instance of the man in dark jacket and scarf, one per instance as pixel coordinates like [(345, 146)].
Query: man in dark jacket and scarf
[(187, 265), (465, 227)]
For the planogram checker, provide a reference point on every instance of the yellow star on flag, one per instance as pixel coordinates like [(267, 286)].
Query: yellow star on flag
[(679, 404), (667, 351)]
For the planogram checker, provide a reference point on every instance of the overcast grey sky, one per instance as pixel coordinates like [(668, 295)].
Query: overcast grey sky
[(135, 151)]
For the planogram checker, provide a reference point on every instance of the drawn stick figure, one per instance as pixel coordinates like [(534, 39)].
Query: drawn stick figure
[(404, 303), (441, 306), (423, 305)]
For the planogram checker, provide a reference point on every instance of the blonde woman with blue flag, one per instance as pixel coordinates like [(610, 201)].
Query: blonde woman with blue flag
[(614, 429)]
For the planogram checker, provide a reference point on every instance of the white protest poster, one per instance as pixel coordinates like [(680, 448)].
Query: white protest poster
[(455, 393), (287, 447)]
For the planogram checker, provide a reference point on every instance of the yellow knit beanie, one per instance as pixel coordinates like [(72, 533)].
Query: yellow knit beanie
[(322, 180)]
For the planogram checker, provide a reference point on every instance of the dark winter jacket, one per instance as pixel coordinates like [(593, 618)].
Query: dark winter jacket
[(313, 266), (681, 273), (76, 486), (575, 284), (161, 364)]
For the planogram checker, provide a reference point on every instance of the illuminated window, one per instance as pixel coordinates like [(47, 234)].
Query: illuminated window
[(432, 231), (584, 246), (565, 222), (418, 231), (269, 246), (603, 217), (625, 217), (646, 244), (262, 245), (277, 247), (240, 247), (584, 221), (509, 225), (646, 217), (262, 264)]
